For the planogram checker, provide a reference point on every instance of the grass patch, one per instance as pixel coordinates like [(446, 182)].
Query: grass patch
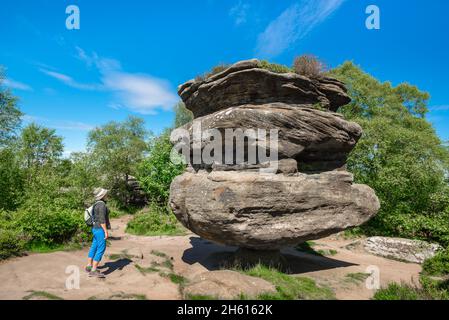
[(175, 278), (356, 277), (122, 296), (307, 247), (128, 296), (289, 287), (122, 255), (145, 270), (41, 294), (396, 291), (199, 297), (49, 248), (158, 254), (155, 221), (430, 290)]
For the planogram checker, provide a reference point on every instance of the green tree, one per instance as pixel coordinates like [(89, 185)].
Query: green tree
[(82, 178), (182, 115), (11, 177), (39, 147), (156, 171), (11, 180), (399, 155), (117, 148), (10, 115)]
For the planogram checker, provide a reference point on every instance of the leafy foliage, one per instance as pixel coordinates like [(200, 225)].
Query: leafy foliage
[(182, 115), (156, 171), (399, 156), (117, 148), (154, 221), (10, 115), (437, 265)]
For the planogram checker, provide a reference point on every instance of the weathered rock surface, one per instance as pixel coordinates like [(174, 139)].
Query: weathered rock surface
[(226, 284), (246, 83), (248, 198), (315, 139), (414, 251), (269, 211)]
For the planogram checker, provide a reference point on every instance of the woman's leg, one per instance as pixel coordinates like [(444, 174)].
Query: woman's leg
[(93, 250), (101, 248)]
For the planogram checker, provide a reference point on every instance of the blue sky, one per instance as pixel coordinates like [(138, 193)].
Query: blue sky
[(129, 56)]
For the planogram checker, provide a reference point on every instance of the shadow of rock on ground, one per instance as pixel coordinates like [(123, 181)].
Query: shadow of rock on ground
[(115, 265), (213, 256)]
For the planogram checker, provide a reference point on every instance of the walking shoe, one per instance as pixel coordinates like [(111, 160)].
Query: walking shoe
[(96, 274), (88, 269)]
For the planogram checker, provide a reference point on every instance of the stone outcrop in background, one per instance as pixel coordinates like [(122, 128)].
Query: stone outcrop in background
[(310, 195)]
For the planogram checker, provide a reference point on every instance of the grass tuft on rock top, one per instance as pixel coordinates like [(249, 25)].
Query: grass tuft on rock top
[(155, 221), (289, 287)]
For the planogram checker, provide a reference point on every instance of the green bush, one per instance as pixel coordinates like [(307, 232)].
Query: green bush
[(274, 67), (155, 221), (438, 265), (12, 243), (156, 171), (50, 226)]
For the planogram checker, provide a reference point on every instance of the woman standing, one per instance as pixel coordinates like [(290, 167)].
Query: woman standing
[(100, 233)]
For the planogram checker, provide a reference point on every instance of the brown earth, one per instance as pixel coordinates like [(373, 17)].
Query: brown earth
[(190, 256)]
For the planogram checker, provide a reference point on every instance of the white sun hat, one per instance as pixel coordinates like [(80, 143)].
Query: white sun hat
[(100, 193)]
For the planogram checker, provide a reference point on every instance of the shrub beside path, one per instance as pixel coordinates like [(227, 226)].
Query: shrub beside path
[(158, 267)]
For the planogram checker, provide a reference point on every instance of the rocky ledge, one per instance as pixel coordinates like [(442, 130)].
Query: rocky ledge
[(246, 82)]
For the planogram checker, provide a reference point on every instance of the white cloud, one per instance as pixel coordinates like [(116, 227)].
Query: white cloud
[(294, 24), (439, 108), (70, 81), (139, 92), (58, 124), (16, 85), (239, 12)]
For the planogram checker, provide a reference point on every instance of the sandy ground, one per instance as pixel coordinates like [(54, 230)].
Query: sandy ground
[(190, 256)]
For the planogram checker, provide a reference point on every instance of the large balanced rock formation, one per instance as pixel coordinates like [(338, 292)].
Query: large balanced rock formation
[(309, 195)]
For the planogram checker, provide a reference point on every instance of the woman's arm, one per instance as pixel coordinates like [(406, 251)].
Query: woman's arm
[(106, 234)]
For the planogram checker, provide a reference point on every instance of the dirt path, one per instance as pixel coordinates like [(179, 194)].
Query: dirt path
[(190, 256)]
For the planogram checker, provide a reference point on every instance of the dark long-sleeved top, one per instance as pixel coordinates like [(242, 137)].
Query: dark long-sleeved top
[(101, 215)]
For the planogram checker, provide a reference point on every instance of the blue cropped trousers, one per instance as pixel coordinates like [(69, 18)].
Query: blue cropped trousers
[(98, 244)]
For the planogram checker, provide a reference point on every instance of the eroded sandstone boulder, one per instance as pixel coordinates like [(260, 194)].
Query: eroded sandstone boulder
[(261, 206), (269, 211), (247, 83), (315, 139)]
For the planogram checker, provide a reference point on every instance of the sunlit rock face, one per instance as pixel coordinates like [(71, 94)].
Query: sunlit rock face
[(306, 195)]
